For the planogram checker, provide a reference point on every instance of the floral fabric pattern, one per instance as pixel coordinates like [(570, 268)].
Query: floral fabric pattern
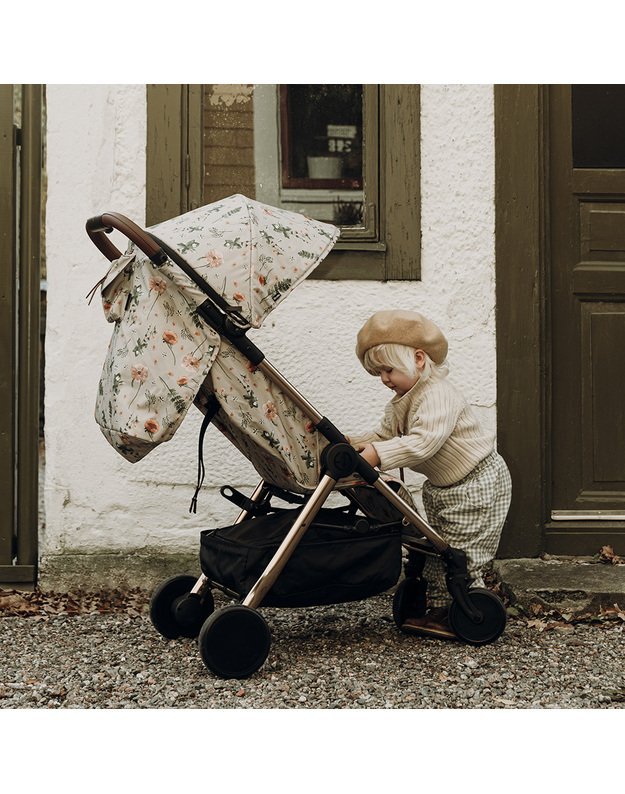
[(158, 356), (263, 423), (161, 350), (252, 254)]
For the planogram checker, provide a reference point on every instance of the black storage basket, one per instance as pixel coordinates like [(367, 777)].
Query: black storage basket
[(340, 558)]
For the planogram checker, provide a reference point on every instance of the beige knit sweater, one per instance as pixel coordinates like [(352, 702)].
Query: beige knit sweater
[(432, 430)]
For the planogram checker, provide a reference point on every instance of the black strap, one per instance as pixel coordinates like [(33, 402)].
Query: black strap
[(212, 406)]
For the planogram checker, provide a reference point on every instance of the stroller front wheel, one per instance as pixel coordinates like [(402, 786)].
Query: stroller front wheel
[(234, 641), (491, 624), (175, 611)]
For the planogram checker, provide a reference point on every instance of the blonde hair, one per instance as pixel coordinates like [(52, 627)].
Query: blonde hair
[(401, 357)]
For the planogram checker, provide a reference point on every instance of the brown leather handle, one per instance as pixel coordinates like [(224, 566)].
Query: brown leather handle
[(101, 225)]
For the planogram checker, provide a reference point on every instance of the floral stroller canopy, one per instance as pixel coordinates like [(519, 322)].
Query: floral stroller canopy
[(252, 254), (161, 351)]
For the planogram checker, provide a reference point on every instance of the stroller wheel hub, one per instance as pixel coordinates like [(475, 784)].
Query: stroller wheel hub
[(187, 610), (175, 611), (490, 624)]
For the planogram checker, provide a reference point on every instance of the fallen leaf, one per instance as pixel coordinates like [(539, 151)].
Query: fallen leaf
[(611, 613), (560, 626), (12, 603), (537, 624), (608, 555)]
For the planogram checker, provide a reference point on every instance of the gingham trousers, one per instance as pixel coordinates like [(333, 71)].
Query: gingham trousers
[(469, 516)]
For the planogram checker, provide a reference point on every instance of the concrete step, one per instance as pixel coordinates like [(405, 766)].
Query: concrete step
[(573, 586)]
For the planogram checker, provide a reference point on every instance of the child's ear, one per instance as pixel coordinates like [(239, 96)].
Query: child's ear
[(419, 357)]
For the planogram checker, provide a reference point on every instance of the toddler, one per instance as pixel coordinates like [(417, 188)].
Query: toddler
[(429, 427)]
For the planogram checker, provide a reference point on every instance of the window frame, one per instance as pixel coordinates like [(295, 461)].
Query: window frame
[(392, 252)]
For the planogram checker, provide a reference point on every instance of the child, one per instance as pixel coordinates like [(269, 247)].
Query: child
[(429, 427)]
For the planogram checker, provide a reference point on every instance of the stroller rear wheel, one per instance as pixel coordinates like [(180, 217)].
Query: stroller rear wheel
[(491, 624), (177, 612), (409, 600), (234, 641)]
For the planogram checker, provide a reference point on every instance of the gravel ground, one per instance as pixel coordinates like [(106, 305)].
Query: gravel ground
[(340, 657)]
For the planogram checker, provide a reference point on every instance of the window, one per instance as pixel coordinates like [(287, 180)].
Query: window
[(346, 154), (598, 115), (321, 134)]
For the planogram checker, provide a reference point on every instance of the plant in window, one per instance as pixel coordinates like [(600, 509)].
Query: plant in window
[(347, 213)]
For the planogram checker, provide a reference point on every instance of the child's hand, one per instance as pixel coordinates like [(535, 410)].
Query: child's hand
[(370, 455)]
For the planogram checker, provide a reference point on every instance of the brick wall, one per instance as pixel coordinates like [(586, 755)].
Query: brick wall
[(228, 121)]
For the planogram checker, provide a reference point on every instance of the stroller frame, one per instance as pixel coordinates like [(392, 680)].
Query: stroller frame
[(477, 615)]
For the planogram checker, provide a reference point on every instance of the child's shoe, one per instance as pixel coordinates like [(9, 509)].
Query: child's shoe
[(433, 624)]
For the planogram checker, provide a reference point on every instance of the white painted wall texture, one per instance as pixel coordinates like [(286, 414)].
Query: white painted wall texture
[(101, 512)]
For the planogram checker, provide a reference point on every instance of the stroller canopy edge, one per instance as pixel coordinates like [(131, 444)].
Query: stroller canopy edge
[(252, 254)]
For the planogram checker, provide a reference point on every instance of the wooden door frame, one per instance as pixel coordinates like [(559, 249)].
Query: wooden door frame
[(8, 243), (21, 337), (522, 250)]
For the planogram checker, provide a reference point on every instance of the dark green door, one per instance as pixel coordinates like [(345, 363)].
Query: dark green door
[(586, 317), (20, 268)]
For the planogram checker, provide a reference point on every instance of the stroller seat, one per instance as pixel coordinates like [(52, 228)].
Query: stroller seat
[(262, 422)]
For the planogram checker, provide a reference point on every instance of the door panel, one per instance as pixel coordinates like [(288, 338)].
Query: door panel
[(587, 309), (602, 383)]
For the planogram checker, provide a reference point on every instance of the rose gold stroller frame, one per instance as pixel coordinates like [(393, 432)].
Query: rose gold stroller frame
[(317, 499), (338, 460)]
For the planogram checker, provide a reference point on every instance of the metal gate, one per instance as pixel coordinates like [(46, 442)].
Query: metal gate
[(21, 162)]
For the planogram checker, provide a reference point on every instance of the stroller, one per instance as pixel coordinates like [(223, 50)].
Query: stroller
[(182, 299)]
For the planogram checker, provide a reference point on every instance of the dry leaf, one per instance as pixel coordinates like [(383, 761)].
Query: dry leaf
[(609, 613), (40, 604), (560, 625), (608, 555)]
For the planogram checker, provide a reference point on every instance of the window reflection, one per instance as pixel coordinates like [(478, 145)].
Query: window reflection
[(321, 135)]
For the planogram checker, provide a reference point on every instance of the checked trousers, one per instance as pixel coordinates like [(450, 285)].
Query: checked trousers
[(469, 516)]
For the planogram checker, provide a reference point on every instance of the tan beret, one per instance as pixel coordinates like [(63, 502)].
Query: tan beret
[(400, 327)]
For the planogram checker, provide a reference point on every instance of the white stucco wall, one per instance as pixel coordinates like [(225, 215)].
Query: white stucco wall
[(96, 502)]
